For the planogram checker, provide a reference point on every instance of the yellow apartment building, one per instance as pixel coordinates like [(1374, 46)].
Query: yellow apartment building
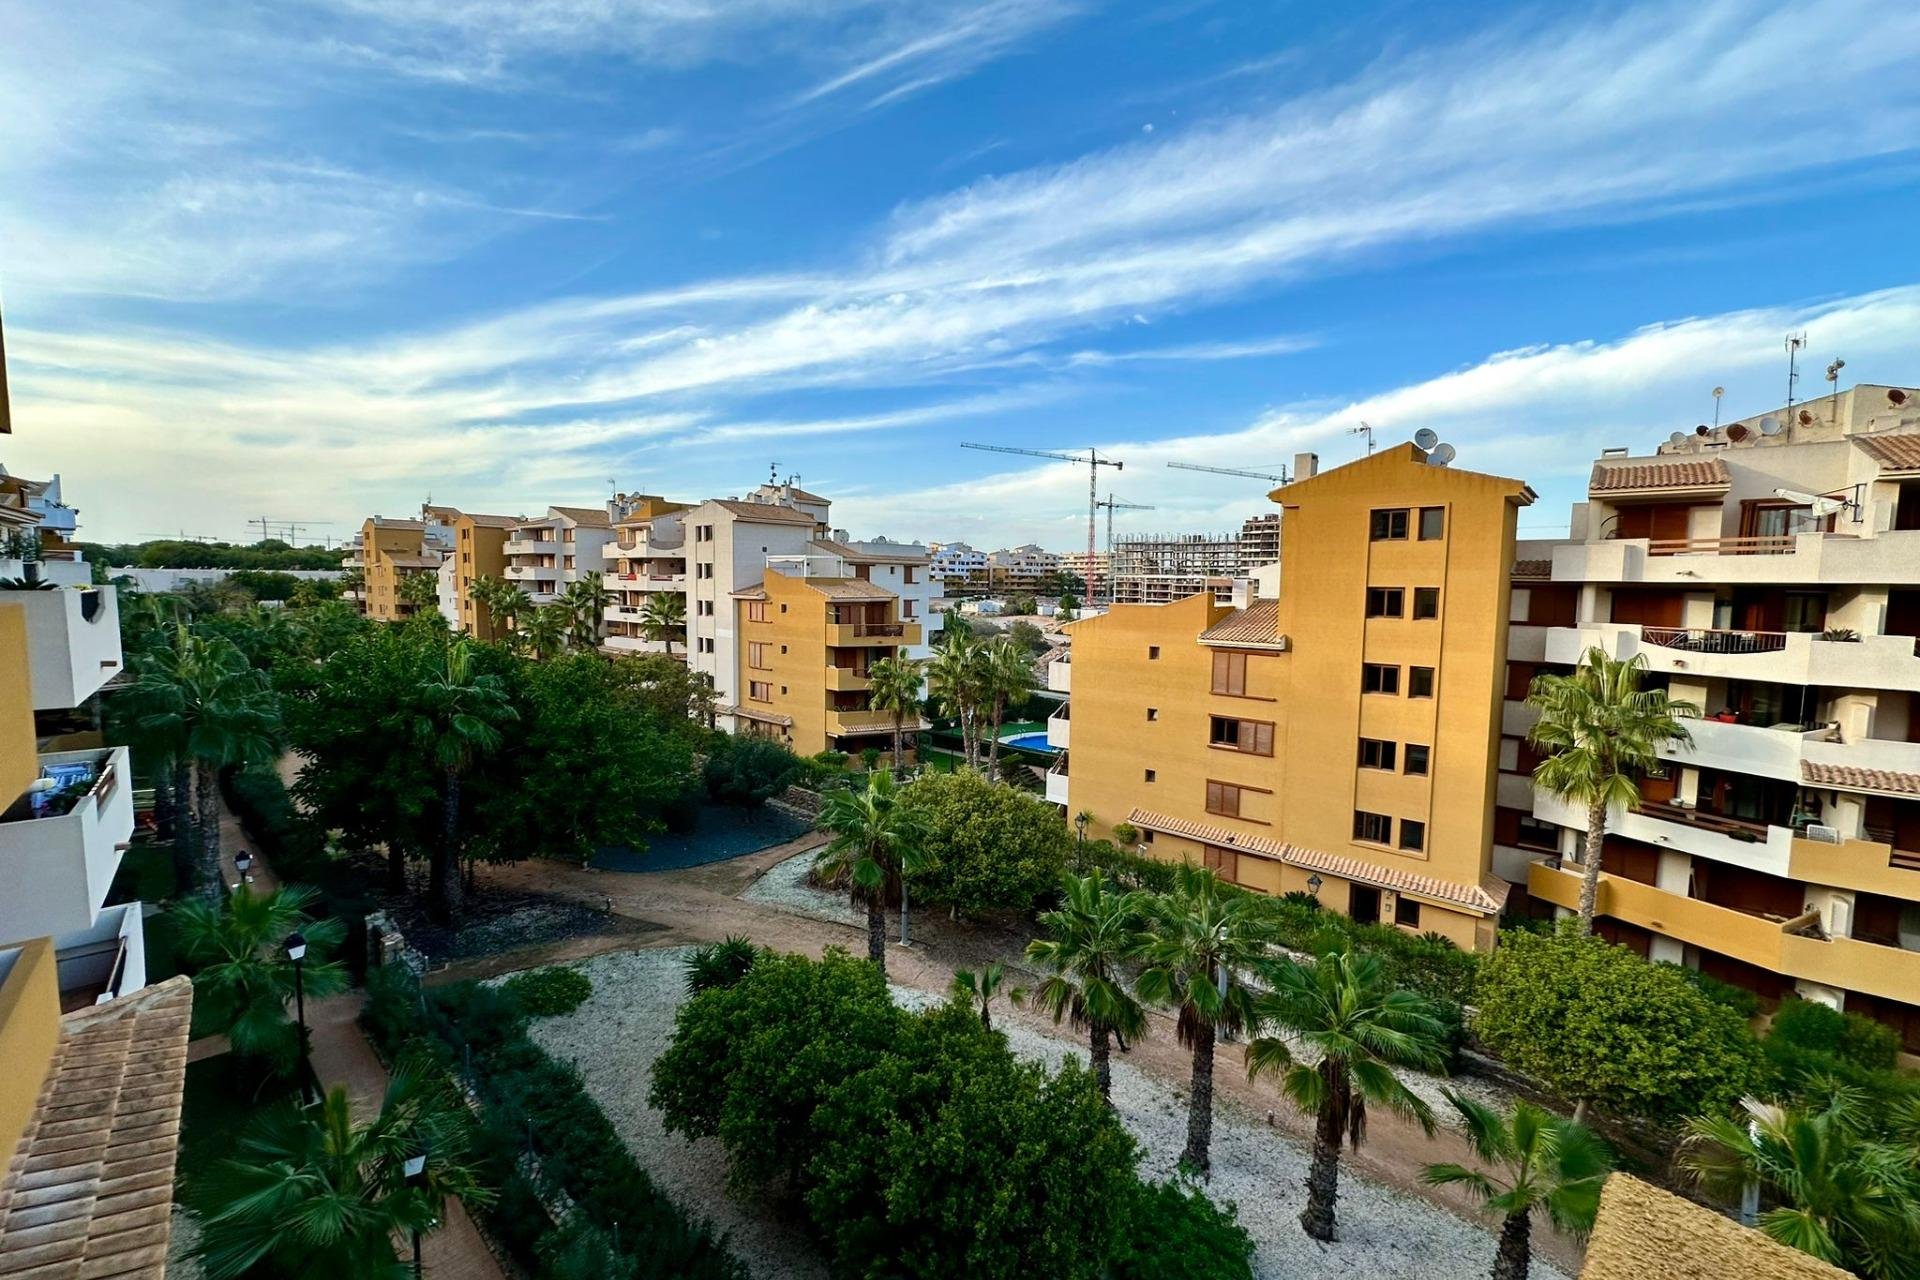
[(1338, 737), (391, 550), (806, 642), (479, 551)]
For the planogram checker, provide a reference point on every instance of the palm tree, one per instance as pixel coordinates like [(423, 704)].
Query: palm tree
[(979, 989), (1093, 935), (720, 964), (203, 698), (242, 979), (456, 717), (1006, 677), (663, 618), (894, 685), (542, 633), (1544, 1162), (420, 589), (954, 679), (1342, 1007), (310, 1193), (1203, 941), (1601, 729), (876, 839), (1841, 1195), (585, 601)]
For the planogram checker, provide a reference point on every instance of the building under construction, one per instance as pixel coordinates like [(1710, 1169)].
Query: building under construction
[(1156, 568)]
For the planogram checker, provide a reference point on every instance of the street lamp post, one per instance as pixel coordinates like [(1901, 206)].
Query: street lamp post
[(243, 863), (1313, 886), (297, 952), (416, 1172)]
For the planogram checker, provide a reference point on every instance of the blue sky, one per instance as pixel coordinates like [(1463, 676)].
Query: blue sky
[(317, 259)]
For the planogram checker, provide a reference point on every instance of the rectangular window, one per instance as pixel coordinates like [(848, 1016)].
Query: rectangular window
[(1390, 526), (756, 611), (1535, 834), (1149, 776), (757, 656), (1406, 911), (1255, 737), (760, 691), (1419, 682), (1417, 759), (1153, 652), (703, 533), (1385, 602), (909, 579), (1433, 523), (1376, 677), (1372, 828), (1376, 753), (1230, 674), (1413, 835), (1223, 798), (1153, 713), (1426, 602), (703, 571)]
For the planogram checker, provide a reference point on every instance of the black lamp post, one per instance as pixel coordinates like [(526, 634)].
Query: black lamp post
[(243, 863), (297, 952), (416, 1171), (1313, 886)]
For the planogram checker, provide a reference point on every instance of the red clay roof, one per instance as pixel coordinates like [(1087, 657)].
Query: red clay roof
[(1845, 775), (1257, 624), (1893, 452), (763, 512), (1533, 568), (1628, 477)]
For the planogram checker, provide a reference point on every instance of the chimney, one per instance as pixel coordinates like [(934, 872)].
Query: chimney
[(1242, 592), (1305, 466)]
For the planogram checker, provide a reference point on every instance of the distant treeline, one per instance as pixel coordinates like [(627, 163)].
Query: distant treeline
[(174, 554)]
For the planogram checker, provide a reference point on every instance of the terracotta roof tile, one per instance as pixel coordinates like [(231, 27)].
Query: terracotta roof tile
[(1643, 1231), (1257, 624), (763, 512), (1629, 477), (89, 1189), (1533, 568), (493, 522), (885, 557), (592, 517), (765, 717), (849, 589), (1893, 452), (1846, 775)]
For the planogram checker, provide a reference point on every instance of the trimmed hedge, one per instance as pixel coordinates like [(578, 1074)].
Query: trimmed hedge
[(546, 993)]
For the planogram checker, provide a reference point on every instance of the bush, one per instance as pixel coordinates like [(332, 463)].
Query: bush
[(296, 848), (869, 758), (833, 760), (546, 993), (1124, 867), (1739, 999), (1595, 1022), (750, 771), (1173, 1231), (993, 848)]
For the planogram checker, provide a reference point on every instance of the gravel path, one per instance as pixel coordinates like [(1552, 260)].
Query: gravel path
[(785, 887), (616, 1036)]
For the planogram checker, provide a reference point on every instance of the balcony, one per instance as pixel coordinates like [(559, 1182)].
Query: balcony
[(1798, 658), (1779, 751), (848, 680), (1057, 781), (524, 546), (1060, 674), (1060, 728), (1758, 940), (1833, 559), (1729, 840), (1859, 864), (73, 643), (873, 634), (1852, 964), (844, 723), (57, 868), (104, 961)]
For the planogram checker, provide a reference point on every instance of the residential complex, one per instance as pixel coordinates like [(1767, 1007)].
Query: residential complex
[(548, 553), (1769, 573), (479, 551), (389, 551), (1333, 735)]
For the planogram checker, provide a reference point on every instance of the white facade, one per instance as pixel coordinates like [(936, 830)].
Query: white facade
[(956, 560), (180, 579), (546, 554)]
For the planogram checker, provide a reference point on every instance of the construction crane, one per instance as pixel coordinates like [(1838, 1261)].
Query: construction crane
[(1113, 504), (292, 528), (1093, 463), (1234, 471)]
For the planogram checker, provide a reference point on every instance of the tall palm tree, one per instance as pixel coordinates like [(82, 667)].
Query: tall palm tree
[(421, 590), (1360, 1027), (877, 838), (585, 601), (1839, 1194), (202, 696), (979, 988), (894, 686), (542, 632), (1006, 677), (1541, 1162), (311, 1194), (456, 716), (1092, 936), (954, 680), (1203, 942), (242, 979), (663, 618), (1601, 729)]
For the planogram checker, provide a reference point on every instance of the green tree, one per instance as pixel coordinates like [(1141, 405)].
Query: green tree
[(419, 590), (314, 1194), (1837, 1194), (1068, 607), (1091, 938), (976, 990), (1598, 1024), (894, 686), (670, 689), (1341, 1009), (1203, 939), (585, 603), (1601, 730), (454, 717), (745, 770), (542, 633), (663, 618), (877, 842), (1007, 677), (242, 979), (956, 680), (992, 848), (1173, 1231), (1534, 1160)]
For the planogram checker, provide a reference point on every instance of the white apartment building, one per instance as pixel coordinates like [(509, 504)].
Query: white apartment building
[(904, 568), (1769, 572), (563, 546), (1021, 568), (957, 562)]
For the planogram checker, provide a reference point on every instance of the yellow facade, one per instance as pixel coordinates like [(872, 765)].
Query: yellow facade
[(29, 1034), (479, 551), (1252, 762), (387, 548), (18, 764)]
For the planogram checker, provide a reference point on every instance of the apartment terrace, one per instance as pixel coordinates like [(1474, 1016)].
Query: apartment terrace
[(60, 848), (73, 642), (1816, 558), (1782, 657)]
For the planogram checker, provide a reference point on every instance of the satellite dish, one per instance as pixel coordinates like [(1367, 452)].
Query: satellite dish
[(1441, 455), (1770, 426), (1806, 419), (1896, 396), (1737, 433), (1677, 438), (1702, 429), (1718, 392), (1426, 438)]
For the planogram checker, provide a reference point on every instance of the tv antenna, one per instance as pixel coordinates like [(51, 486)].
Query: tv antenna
[(1268, 476), (1093, 462), (1795, 341), (1833, 389), (1363, 430), (773, 473), (1717, 393)]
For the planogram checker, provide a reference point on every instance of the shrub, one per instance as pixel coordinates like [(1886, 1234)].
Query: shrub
[(1124, 867), (546, 993), (830, 759), (1126, 835), (720, 964), (994, 848), (1173, 1231), (750, 771), (869, 757), (1739, 999)]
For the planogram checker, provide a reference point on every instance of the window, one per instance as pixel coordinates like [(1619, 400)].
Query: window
[(1230, 674), (1406, 911), (1150, 775), (1153, 713), (1223, 798), (1419, 682), (1255, 737), (1146, 837), (1426, 602), (1385, 602), (783, 648), (706, 608), (756, 611), (1417, 759), (1379, 678), (1373, 828), (757, 656), (1376, 753), (703, 533), (706, 644), (1153, 653), (1535, 834), (1390, 526), (1433, 523), (703, 571), (909, 579), (760, 691), (1413, 835)]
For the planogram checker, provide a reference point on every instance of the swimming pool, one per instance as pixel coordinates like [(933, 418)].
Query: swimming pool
[(1030, 742)]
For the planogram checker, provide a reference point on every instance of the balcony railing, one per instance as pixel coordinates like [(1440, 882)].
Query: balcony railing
[(1773, 545), (879, 630), (1738, 828), (1709, 640)]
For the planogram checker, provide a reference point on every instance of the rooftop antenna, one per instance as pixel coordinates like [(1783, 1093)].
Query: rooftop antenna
[(773, 473), (1833, 389), (1363, 430), (1717, 393), (1795, 341)]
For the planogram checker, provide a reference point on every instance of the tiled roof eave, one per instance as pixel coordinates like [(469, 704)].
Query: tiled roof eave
[(1852, 778)]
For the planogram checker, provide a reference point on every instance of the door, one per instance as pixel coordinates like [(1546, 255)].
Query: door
[(1363, 904)]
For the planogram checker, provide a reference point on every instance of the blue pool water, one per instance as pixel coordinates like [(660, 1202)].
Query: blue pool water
[(1031, 742)]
